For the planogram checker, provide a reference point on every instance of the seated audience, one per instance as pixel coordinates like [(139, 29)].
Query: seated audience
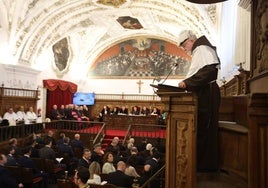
[(76, 142), (14, 142), (145, 111), (130, 167), (11, 160), (104, 111), (61, 139), (114, 111), (81, 177), (155, 112), (94, 171), (135, 111), (81, 114), (154, 162), (75, 114), (6, 179), (47, 152), (85, 160), (114, 147), (97, 154), (119, 178), (55, 114), (31, 115), (62, 112), (50, 135), (65, 148), (142, 146), (11, 116), (21, 115), (108, 165), (123, 110), (68, 111), (27, 162)]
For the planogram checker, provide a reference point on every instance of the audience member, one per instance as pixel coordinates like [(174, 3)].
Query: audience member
[(135, 111), (21, 115), (6, 179), (61, 139), (50, 135), (123, 110), (55, 114), (94, 171), (68, 111), (97, 154), (14, 142), (130, 167), (27, 162), (11, 116), (65, 148), (85, 160), (76, 142), (81, 177), (104, 111), (114, 147), (47, 152), (108, 165), (81, 114), (31, 115), (114, 111), (142, 146), (119, 178), (11, 160), (62, 112), (145, 111)]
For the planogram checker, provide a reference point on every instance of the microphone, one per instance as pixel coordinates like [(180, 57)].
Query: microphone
[(174, 66)]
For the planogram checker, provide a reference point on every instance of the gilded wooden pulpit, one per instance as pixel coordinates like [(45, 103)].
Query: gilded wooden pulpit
[(181, 136)]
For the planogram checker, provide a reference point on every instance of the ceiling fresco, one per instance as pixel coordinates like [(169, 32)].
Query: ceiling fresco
[(34, 26)]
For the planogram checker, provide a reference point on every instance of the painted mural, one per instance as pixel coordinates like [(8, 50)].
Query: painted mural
[(141, 58)]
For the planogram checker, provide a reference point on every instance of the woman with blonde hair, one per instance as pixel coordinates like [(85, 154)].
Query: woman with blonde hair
[(94, 171)]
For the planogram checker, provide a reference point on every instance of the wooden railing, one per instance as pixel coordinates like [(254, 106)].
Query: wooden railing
[(20, 131), (16, 92), (159, 175), (100, 136)]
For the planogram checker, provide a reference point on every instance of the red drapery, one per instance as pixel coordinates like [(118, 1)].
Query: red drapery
[(59, 92)]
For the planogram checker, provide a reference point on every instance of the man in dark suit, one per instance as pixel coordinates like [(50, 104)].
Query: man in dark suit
[(65, 148), (77, 143), (47, 152), (85, 160), (27, 162), (6, 179), (119, 178), (11, 160)]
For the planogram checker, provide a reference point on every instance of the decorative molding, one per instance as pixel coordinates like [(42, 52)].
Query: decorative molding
[(16, 69)]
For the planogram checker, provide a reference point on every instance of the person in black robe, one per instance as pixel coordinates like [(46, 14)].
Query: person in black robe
[(201, 79)]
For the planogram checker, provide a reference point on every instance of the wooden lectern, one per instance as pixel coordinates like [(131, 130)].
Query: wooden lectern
[(181, 136)]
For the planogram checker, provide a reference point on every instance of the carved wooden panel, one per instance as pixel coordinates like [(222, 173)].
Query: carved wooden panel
[(258, 140), (181, 139)]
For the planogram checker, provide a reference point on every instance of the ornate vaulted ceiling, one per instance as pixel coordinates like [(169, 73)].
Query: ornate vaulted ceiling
[(33, 26)]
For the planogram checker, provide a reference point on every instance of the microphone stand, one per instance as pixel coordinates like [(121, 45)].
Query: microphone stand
[(173, 68)]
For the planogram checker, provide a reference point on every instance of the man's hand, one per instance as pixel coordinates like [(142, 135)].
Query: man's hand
[(182, 85)]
